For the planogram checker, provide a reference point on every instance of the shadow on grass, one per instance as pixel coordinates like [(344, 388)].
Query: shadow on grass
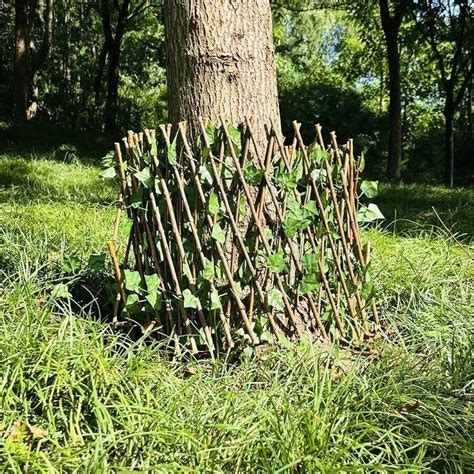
[(52, 142), (407, 207)]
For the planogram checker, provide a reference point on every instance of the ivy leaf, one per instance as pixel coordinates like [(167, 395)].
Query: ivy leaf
[(310, 263), (310, 209), (218, 234), (362, 163), (319, 156), (370, 188), (298, 217), (211, 133), (309, 284), (206, 176), (97, 261), (242, 205), (208, 272), (213, 204), (276, 262), (72, 264), (132, 281), (109, 173), (132, 301), (137, 199), (234, 135), (275, 299), (152, 283), (215, 301), (125, 227), (172, 153), (108, 160), (369, 214), (155, 300), (288, 181), (190, 301), (60, 291), (145, 177), (252, 174)]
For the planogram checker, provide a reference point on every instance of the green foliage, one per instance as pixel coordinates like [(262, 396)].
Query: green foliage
[(190, 301), (218, 234), (369, 188), (298, 217), (276, 262), (369, 213), (252, 174), (213, 204), (275, 299)]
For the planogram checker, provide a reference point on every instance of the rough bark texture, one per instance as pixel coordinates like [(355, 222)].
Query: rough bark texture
[(221, 61), (391, 27), (21, 61)]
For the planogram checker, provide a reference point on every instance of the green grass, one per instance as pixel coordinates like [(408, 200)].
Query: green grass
[(103, 402)]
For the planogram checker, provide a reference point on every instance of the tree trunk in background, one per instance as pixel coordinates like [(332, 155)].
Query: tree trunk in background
[(113, 46), (220, 61), (395, 109), (21, 61), (48, 30), (449, 110), (391, 28), (111, 103)]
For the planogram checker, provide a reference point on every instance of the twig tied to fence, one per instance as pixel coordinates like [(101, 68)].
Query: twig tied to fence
[(234, 244)]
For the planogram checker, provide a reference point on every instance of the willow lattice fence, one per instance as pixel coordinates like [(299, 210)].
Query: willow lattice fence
[(232, 242)]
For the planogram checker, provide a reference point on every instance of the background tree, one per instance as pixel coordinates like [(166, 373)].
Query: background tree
[(114, 36), (391, 22), (447, 26), (24, 20)]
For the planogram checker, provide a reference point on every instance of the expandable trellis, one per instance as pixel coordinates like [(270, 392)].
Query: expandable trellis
[(235, 242)]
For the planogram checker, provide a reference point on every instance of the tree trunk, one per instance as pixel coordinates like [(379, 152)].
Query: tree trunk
[(449, 110), (48, 31), (100, 72), (111, 103), (21, 61), (220, 62), (395, 108), (113, 45), (391, 27)]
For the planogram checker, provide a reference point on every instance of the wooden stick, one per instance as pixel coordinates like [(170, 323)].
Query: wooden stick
[(234, 226), (220, 250), (117, 271), (171, 266), (196, 238), (257, 223)]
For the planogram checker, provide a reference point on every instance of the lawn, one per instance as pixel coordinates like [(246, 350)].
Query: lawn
[(75, 396)]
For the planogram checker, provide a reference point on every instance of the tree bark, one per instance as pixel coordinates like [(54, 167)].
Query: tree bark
[(391, 27), (48, 31), (113, 44), (395, 109), (449, 110), (111, 103), (21, 61), (220, 62)]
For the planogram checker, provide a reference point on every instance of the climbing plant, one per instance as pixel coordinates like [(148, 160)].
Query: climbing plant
[(231, 243)]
